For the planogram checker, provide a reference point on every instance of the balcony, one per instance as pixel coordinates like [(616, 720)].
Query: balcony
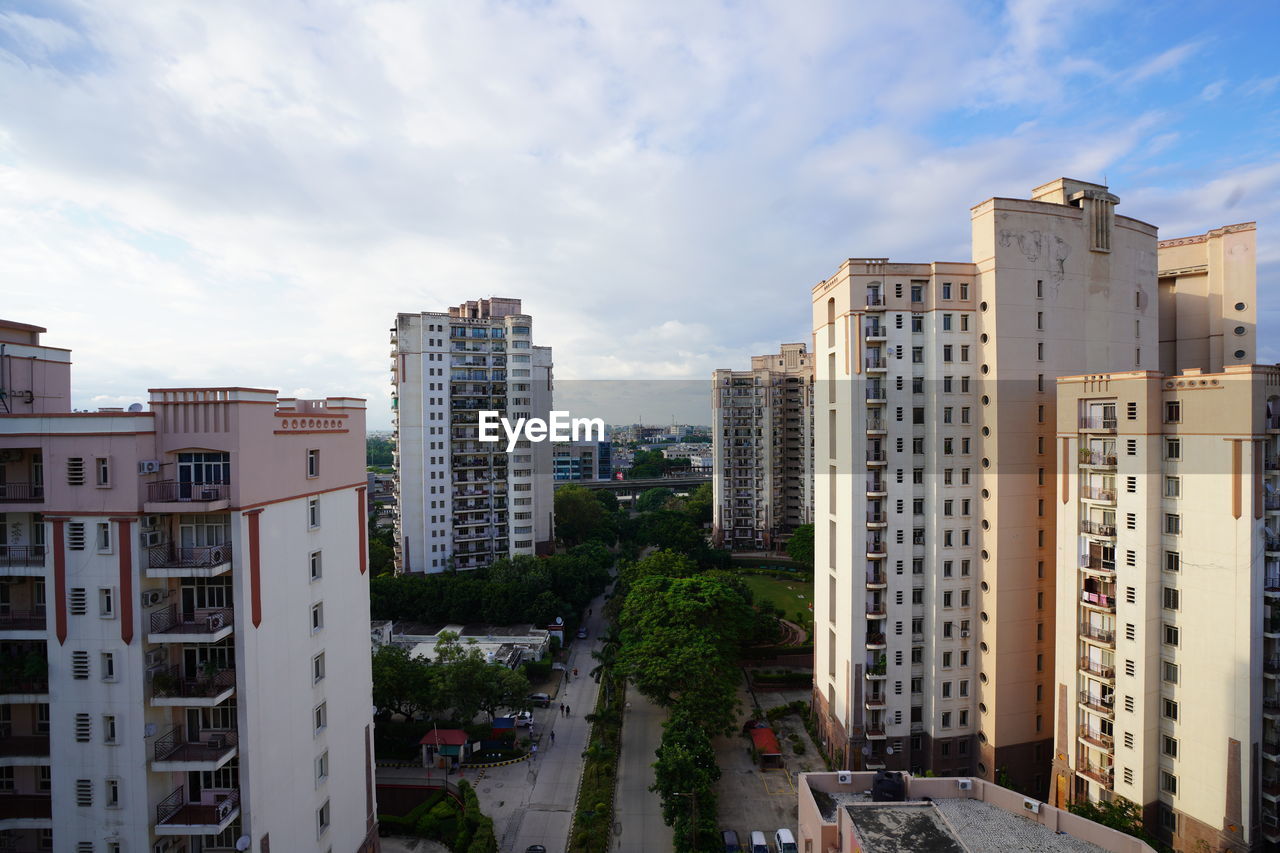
[(1098, 494), (24, 750), (1271, 749), (23, 624), (1272, 546), (1091, 563), (876, 580), (1097, 528), (877, 457), (1097, 739), (1098, 459), (1098, 601), (875, 300), (876, 641), (875, 426), (874, 701), (202, 625), (1098, 704), (876, 333), (1271, 665), (171, 689), (1097, 423), (876, 396), (1271, 707), (876, 549), (174, 752), (211, 814), (875, 730), (1097, 669), (170, 561), (876, 489), (876, 610), (26, 811), (1098, 635), (877, 519), (23, 560), (1104, 776), (21, 493), (175, 496)]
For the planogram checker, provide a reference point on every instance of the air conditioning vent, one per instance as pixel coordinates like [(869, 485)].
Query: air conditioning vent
[(1032, 806), (964, 784), (152, 597), (150, 522), (149, 466), (844, 777)]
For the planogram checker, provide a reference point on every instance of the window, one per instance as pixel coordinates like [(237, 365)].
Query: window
[(964, 290), (1172, 599), (1172, 561), (946, 290), (1169, 672), (321, 717), (317, 616), (315, 566), (108, 666), (946, 352), (946, 322), (1169, 709), (42, 718), (1173, 448), (1171, 635), (322, 766), (946, 690), (1168, 782), (1172, 523), (946, 719), (109, 735), (1172, 412), (113, 794), (317, 668), (1169, 746), (102, 538), (102, 472), (964, 353), (313, 512), (106, 602), (917, 323), (6, 780), (322, 818), (313, 463), (1172, 487)]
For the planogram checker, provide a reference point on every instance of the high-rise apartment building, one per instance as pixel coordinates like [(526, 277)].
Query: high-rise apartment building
[(1168, 574), (762, 446), (935, 415), (183, 612), (461, 502), (582, 460)]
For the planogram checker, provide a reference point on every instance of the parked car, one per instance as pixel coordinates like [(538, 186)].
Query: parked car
[(784, 841), (539, 700), (524, 719), (758, 844), (535, 848), (731, 842), (582, 632)]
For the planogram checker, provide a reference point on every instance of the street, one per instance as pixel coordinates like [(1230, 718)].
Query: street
[(637, 810)]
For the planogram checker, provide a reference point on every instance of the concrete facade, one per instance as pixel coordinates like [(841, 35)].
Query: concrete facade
[(935, 532), (463, 503), (762, 448), (182, 618)]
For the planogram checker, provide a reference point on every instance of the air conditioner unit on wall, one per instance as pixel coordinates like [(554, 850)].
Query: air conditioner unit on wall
[(964, 784), (157, 656), (151, 538), (1032, 806), (150, 522), (152, 597), (844, 777), (148, 466)]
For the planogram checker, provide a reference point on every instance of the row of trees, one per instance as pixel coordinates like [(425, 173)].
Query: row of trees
[(511, 591), (459, 683), (648, 464)]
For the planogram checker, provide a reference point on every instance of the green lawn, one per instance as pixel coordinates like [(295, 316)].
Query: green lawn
[(791, 594)]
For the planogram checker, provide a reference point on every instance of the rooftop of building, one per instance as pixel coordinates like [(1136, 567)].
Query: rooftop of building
[(955, 824), (473, 630)]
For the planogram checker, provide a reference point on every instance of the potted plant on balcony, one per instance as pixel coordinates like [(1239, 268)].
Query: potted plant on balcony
[(164, 683)]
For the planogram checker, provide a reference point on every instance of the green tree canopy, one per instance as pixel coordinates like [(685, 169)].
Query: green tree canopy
[(580, 516), (653, 499), (800, 545), (403, 684)]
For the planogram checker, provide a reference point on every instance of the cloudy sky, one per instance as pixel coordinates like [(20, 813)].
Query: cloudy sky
[(247, 192)]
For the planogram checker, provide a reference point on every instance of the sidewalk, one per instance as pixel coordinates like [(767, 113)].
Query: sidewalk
[(637, 810)]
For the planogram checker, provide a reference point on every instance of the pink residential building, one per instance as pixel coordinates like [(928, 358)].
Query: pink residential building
[(184, 658)]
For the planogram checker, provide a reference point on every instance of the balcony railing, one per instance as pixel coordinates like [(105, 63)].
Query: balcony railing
[(876, 579), (1097, 493), (1104, 460), (1272, 544), (1102, 635), (874, 300), (25, 806), (174, 745), (874, 363), (1101, 704), (215, 806), (203, 620), (170, 683), (1103, 775), (876, 456), (1097, 738), (1097, 422), (1095, 668), (21, 555), (23, 620), (1097, 528), (1099, 599), (21, 493), (874, 609), (1271, 664), (1088, 561), (24, 746), (875, 424), (173, 491), (169, 556)]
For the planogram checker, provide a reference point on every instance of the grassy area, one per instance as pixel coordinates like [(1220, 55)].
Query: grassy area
[(793, 595)]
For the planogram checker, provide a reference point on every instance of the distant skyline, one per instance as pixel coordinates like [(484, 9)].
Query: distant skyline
[(247, 193)]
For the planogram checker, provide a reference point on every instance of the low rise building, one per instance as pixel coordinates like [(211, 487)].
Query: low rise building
[(510, 645)]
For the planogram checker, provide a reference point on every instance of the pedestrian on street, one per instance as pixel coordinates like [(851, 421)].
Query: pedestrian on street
[(562, 708), (566, 710), (553, 737)]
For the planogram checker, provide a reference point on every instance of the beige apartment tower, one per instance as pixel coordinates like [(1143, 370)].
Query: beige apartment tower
[(762, 446), (935, 417)]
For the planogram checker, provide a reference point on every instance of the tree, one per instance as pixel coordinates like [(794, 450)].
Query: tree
[(1121, 814), (607, 499), (684, 776), (579, 516), (472, 684), (653, 499), (402, 684), (378, 452), (381, 550), (700, 504), (800, 545)]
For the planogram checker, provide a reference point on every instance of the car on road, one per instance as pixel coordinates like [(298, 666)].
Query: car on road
[(524, 719), (731, 844), (539, 700), (535, 848), (758, 844), (582, 632), (784, 841)]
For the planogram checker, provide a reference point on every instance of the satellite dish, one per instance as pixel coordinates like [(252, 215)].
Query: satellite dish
[(866, 750), (559, 621), (888, 750), (243, 842), (135, 407)]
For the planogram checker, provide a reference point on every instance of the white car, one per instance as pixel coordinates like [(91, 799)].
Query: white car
[(524, 719)]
